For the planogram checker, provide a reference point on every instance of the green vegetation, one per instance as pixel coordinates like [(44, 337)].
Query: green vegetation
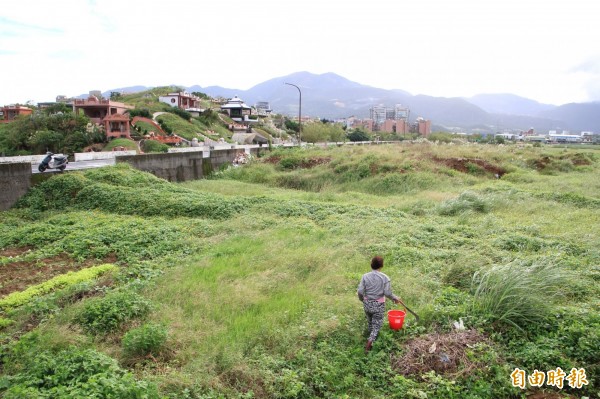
[(322, 132), (59, 133), (358, 135), (73, 374), (107, 314), (154, 146), (21, 297), (146, 340), (127, 143), (172, 123), (244, 285)]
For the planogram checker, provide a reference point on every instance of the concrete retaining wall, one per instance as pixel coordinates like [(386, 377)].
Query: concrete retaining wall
[(15, 180), (188, 165), (176, 167)]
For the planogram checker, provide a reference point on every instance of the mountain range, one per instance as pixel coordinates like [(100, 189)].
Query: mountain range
[(332, 96)]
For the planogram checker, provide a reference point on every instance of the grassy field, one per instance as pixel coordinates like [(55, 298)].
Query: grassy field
[(244, 285)]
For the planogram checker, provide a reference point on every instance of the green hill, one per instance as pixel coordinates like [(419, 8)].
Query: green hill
[(244, 285)]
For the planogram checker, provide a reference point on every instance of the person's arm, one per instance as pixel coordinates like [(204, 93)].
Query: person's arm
[(387, 291), (361, 290)]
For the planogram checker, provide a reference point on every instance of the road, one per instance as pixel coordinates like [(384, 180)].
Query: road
[(79, 165)]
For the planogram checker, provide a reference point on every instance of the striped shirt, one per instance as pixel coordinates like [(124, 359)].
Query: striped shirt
[(375, 286)]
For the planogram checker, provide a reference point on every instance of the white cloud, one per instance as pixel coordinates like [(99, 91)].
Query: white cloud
[(533, 48)]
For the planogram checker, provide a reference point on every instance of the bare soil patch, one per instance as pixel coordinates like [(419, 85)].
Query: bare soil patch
[(19, 275), (273, 159), (304, 163), (314, 161), (462, 165), (445, 354)]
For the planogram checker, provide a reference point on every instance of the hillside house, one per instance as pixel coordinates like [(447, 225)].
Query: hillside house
[(98, 109), (10, 112), (110, 114), (117, 126), (183, 100), (238, 110), (263, 108)]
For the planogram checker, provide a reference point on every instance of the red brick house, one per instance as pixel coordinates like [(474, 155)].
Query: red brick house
[(110, 114), (117, 125), (10, 112)]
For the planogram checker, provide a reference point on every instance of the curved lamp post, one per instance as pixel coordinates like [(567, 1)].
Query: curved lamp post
[(299, 114)]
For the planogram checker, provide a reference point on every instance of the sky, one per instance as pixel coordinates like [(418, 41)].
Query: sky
[(545, 50)]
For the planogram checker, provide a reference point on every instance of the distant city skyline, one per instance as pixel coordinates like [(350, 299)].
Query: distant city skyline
[(531, 48)]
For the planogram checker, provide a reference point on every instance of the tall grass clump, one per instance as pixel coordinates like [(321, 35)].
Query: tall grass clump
[(516, 294), (467, 201), (148, 339)]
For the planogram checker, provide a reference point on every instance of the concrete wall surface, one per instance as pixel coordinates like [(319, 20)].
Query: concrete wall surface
[(15, 180), (93, 156), (175, 167), (32, 159), (184, 166)]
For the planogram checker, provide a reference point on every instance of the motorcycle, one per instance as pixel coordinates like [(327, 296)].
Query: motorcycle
[(52, 161)]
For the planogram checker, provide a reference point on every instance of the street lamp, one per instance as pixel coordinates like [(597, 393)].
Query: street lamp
[(299, 114)]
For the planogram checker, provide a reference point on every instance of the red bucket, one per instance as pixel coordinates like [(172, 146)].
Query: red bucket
[(396, 319)]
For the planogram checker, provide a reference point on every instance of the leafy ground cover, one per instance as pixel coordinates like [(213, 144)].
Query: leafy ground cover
[(243, 285)]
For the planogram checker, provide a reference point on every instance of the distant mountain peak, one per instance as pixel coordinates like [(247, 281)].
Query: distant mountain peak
[(329, 95)]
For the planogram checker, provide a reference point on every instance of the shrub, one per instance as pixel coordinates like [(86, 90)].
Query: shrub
[(143, 112), (148, 339), (358, 135), (76, 373), (105, 315), (516, 294), (154, 146), (55, 193), (181, 113)]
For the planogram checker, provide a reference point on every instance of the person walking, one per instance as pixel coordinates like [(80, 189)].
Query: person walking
[(373, 288)]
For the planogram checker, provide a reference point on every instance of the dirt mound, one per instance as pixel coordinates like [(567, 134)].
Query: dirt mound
[(443, 353), (468, 165)]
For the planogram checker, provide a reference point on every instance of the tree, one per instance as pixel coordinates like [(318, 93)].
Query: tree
[(358, 135), (38, 133), (291, 125), (58, 107), (46, 140), (201, 95), (208, 117)]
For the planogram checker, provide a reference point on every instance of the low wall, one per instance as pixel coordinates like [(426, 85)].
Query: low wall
[(15, 180), (93, 156), (191, 164), (31, 159), (176, 167), (184, 166)]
